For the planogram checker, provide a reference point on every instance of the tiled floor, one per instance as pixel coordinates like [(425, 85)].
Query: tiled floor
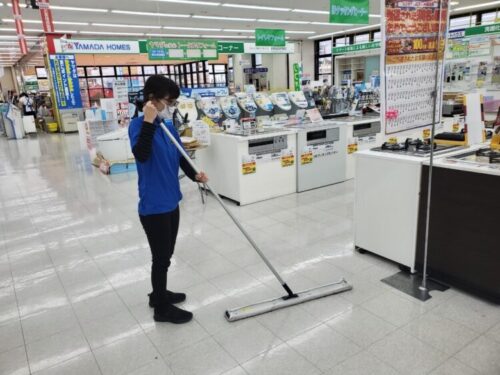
[(74, 274)]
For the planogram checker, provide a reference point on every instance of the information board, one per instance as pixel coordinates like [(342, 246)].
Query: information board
[(65, 81), (178, 49)]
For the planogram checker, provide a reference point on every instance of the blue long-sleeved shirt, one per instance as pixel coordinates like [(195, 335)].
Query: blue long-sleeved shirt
[(158, 162)]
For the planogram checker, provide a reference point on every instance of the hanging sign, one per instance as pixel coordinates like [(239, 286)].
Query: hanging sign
[(231, 47), (270, 38), (253, 48), (46, 15), (297, 76), (411, 56), (96, 46), (355, 47), (16, 12), (349, 11), (486, 29), (178, 49), (65, 81)]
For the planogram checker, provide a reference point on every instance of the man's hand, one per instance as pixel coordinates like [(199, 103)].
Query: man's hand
[(150, 112), (202, 177)]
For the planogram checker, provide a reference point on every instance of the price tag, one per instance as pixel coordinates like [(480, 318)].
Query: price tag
[(426, 134), (352, 148), (287, 158), (248, 164), (392, 140), (456, 128), (306, 158)]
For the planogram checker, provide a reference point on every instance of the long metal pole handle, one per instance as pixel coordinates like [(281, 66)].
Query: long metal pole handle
[(228, 211)]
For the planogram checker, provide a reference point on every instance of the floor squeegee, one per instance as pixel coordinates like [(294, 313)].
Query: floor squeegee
[(291, 298)]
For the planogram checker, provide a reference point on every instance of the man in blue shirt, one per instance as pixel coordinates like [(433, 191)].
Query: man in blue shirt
[(158, 162)]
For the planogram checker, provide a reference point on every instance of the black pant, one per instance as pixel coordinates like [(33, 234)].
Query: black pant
[(161, 230)]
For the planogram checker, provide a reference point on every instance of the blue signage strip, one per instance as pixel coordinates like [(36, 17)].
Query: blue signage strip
[(204, 92), (65, 81), (255, 70)]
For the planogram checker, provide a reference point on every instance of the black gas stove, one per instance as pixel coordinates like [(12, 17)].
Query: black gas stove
[(491, 155), (412, 147)]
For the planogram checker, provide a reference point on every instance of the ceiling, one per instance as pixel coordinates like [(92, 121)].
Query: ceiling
[(181, 18)]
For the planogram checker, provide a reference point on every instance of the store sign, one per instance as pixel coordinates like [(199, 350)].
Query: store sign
[(349, 11), (253, 48), (204, 92), (231, 47), (255, 70), (355, 47), (486, 29), (65, 81), (297, 76), (96, 46), (178, 49), (270, 38)]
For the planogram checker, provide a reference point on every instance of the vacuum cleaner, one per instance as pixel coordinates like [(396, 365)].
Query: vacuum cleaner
[(291, 298)]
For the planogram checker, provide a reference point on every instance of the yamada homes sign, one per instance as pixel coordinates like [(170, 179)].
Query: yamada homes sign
[(96, 46)]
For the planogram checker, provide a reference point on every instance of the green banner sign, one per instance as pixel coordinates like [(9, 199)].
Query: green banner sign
[(231, 47), (486, 29), (355, 47), (270, 38), (297, 76), (178, 49), (349, 11)]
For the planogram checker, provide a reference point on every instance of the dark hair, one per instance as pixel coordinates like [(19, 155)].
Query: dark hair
[(160, 87)]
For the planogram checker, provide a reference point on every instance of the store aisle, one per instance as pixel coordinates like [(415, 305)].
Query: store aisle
[(74, 274)]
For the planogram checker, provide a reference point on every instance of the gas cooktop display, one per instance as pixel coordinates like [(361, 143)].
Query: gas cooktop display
[(412, 147)]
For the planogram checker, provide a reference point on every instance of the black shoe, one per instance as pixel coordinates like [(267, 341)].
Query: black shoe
[(171, 298), (172, 314)]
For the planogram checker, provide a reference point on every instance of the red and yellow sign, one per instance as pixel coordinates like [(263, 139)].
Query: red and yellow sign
[(249, 168), (306, 158), (352, 148), (287, 160)]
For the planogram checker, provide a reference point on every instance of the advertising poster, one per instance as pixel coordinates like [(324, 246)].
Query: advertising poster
[(412, 29), (65, 81)]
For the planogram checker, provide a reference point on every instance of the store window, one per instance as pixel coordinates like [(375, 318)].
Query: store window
[(323, 70), (343, 41), (108, 71), (258, 59), (377, 36), (217, 75), (462, 22), (361, 38), (93, 71), (488, 18), (325, 47)]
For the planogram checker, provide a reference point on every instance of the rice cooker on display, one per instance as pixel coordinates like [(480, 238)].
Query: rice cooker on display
[(230, 107), (247, 104), (210, 107)]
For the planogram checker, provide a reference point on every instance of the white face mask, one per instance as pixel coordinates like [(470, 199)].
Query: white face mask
[(166, 113)]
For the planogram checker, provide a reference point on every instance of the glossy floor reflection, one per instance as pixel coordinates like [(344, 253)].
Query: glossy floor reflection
[(74, 274)]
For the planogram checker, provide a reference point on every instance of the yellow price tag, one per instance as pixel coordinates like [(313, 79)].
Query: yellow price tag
[(392, 141), (287, 160), (351, 149), (426, 133), (208, 121), (249, 168), (456, 128), (306, 158)]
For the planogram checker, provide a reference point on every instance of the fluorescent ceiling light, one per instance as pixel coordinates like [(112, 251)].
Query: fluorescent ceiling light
[(190, 28), (299, 32), (225, 36), (239, 31), (260, 7), (109, 33), (175, 35), (122, 25), (310, 11), (453, 3), (477, 6), (151, 14), (332, 24), (223, 18), (10, 20), (59, 31), (343, 32), (78, 9), (375, 16), (209, 3), (15, 37), (283, 21)]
